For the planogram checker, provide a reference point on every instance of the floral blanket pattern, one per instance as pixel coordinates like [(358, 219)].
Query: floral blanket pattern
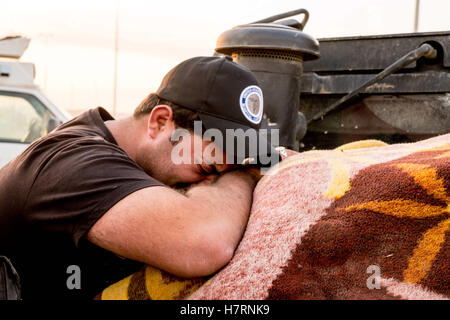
[(363, 221)]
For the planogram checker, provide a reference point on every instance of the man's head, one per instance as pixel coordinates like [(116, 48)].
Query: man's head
[(216, 91), (158, 120)]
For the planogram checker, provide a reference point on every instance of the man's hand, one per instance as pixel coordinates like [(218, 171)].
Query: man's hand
[(254, 172)]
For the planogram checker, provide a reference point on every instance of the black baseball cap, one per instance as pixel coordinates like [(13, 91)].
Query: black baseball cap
[(226, 95)]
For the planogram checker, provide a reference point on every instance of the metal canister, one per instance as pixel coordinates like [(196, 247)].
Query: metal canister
[(274, 52)]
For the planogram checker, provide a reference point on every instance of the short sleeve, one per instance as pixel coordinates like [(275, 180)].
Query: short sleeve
[(79, 183)]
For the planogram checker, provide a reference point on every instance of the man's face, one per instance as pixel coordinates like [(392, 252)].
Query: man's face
[(196, 166), (200, 164)]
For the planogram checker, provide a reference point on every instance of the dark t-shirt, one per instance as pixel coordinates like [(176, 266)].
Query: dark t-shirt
[(52, 194)]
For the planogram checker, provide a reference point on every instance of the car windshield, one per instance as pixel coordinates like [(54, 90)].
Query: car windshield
[(23, 118)]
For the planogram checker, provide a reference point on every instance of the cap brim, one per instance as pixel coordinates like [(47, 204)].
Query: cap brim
[(263, 154)]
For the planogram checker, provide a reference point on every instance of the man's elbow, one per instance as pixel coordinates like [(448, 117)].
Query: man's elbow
[(207, 258), (218, 255)]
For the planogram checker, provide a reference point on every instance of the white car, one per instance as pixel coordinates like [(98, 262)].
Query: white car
[(25, 113)]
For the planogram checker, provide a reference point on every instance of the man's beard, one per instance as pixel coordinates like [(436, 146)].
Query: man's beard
[(157, 163)]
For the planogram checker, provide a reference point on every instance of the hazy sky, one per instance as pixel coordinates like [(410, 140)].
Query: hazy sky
[(72, 42)]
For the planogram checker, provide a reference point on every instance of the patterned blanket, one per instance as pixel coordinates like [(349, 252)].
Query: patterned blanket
[(364, 221)]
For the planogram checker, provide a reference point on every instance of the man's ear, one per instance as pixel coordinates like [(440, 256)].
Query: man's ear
[(160, 119)]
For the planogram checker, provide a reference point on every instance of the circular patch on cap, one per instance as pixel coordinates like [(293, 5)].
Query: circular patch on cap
[(251, 101)]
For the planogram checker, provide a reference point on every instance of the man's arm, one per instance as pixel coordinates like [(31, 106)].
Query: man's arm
[(188, 235)]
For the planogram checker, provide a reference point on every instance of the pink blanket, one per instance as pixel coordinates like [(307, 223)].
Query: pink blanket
[(364, 221), (369, 223)]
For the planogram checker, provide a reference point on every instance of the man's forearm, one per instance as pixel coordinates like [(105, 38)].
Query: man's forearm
[(227, 204)]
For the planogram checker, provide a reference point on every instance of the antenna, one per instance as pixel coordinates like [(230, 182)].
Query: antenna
[(416, 16), (116, 52)]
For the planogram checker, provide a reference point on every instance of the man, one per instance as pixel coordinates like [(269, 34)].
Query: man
[(87, 204)]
